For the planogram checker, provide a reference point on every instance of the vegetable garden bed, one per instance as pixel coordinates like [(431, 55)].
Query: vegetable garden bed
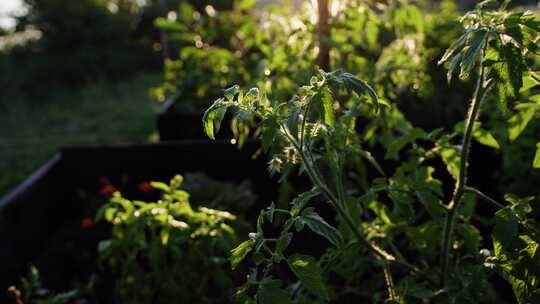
[(46, 212)]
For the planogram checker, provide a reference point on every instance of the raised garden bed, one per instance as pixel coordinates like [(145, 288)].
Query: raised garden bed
[(35, 218), (42, 214)]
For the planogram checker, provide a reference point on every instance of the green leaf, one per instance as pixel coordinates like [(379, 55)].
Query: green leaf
[(485, 137), (229, 93), (472, 53), (529, 19), (521, 35), (283, 242), (519, 206), (320, 226), (481, 135), (379, 209), (301, 201), (452, 66), (508, 74), (239, 253), (165, 234), (127, 205), (464, 52), (470, 237), (109, 214), (164, 23), (398, 144), (506, 227), (520, 268), (252, 96), (530, 80), (431, 202), (325, 98), (428, 190), (454, 48), (186, 11), (269, 131), (270, 292), (536, 161), (247, 4), (518, 122), (160, 186), (305, 267), (213, 116), (426, 237), (451, 159), (299, 224), (355, 84)]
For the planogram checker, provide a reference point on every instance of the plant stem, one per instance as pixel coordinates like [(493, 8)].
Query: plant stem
[(317, 181), (455, 202), (389, 283), (484, 197)]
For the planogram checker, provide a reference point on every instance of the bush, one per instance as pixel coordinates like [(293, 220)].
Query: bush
[(80, 41), (166, 250)]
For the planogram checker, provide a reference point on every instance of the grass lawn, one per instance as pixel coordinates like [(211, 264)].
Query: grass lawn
[(32, 129)]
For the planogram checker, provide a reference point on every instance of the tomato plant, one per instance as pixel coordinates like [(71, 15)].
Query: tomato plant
[(401, 239)]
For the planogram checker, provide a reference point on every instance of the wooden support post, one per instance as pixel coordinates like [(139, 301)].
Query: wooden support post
[(324, 35)]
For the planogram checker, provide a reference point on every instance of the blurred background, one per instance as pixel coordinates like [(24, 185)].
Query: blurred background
[(74, 72), (98, 71)]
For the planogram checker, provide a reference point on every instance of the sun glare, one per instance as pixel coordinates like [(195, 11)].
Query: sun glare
[(335, 6), (9, 9)]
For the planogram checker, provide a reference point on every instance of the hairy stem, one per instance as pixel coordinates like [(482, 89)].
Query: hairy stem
[(317, 180), (390, 283), (455, 202), (484, 197)]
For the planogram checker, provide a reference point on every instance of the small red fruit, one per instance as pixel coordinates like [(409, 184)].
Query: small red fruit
[(87, 223), (107, 191), (145, 187)]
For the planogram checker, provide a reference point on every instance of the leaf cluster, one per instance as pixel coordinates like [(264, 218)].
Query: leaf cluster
[(159, 249), (33, 291), (378, 224)]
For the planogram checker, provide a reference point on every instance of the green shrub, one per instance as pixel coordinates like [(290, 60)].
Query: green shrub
[(166, 250), (80, 41), (211, 56)]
